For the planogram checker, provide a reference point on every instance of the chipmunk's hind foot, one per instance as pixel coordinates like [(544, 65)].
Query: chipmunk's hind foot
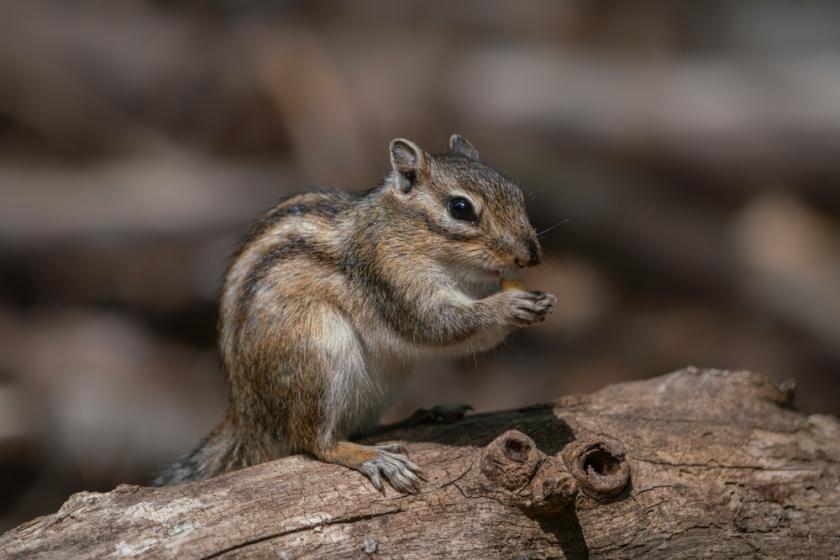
[(392, 465)]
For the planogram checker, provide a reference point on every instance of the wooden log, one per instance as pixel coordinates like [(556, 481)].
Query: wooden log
[(697, 463)]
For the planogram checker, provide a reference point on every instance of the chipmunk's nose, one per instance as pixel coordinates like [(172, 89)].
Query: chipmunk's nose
[(531, 255)]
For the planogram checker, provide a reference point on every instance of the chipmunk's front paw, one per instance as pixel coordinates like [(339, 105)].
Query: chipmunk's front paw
[(523, 309), (393, 465)]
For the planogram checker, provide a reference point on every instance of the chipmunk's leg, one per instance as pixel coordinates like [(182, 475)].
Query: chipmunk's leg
[(347, 402), (387, 462)]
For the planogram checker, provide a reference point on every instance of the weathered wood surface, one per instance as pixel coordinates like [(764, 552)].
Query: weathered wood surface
[(721, 467)]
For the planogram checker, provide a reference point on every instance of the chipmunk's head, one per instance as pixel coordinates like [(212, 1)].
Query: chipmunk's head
[(475, 216)]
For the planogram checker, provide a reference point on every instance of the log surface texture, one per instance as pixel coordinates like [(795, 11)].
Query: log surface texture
[(694, 464)]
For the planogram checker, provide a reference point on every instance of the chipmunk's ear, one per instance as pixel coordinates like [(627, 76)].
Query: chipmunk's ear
[(409, 162), (460, 145)]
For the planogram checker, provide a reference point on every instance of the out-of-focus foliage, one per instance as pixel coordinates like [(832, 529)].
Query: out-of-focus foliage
[(682, 154)]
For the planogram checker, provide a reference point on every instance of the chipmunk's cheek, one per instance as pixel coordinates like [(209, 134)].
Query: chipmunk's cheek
[(474, 251), (507, 261)]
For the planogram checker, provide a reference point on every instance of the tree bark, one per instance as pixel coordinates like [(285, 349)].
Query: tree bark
[(695, 464)]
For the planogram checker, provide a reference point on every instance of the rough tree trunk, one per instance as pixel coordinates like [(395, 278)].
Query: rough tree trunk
[(694, 464)]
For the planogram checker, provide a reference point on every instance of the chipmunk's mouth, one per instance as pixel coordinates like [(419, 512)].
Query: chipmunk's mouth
[(487, 271)]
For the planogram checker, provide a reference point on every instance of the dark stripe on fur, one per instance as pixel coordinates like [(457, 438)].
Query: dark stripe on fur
[(327, 208), (292, 247), (437, 229)]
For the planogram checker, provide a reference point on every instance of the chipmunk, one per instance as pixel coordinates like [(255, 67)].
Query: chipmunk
[(332, 298)]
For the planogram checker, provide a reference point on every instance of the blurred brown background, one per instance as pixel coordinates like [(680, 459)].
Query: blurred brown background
[(687, 150)]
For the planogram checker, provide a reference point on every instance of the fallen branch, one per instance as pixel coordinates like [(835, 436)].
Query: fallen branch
[(698, 463)]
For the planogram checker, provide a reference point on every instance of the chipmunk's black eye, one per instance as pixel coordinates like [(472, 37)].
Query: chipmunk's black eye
[(462, 209)]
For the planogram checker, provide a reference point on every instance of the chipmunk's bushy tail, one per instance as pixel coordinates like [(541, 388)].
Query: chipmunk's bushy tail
[(216, 454)]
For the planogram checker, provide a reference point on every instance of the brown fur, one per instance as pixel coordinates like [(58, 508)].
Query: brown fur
[(332, 298)]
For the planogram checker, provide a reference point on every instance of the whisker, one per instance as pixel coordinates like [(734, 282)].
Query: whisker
[(557, 225)]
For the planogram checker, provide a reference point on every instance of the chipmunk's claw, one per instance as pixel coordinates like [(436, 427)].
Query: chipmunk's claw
[(395, 467), (447, 413), (439, 414)]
